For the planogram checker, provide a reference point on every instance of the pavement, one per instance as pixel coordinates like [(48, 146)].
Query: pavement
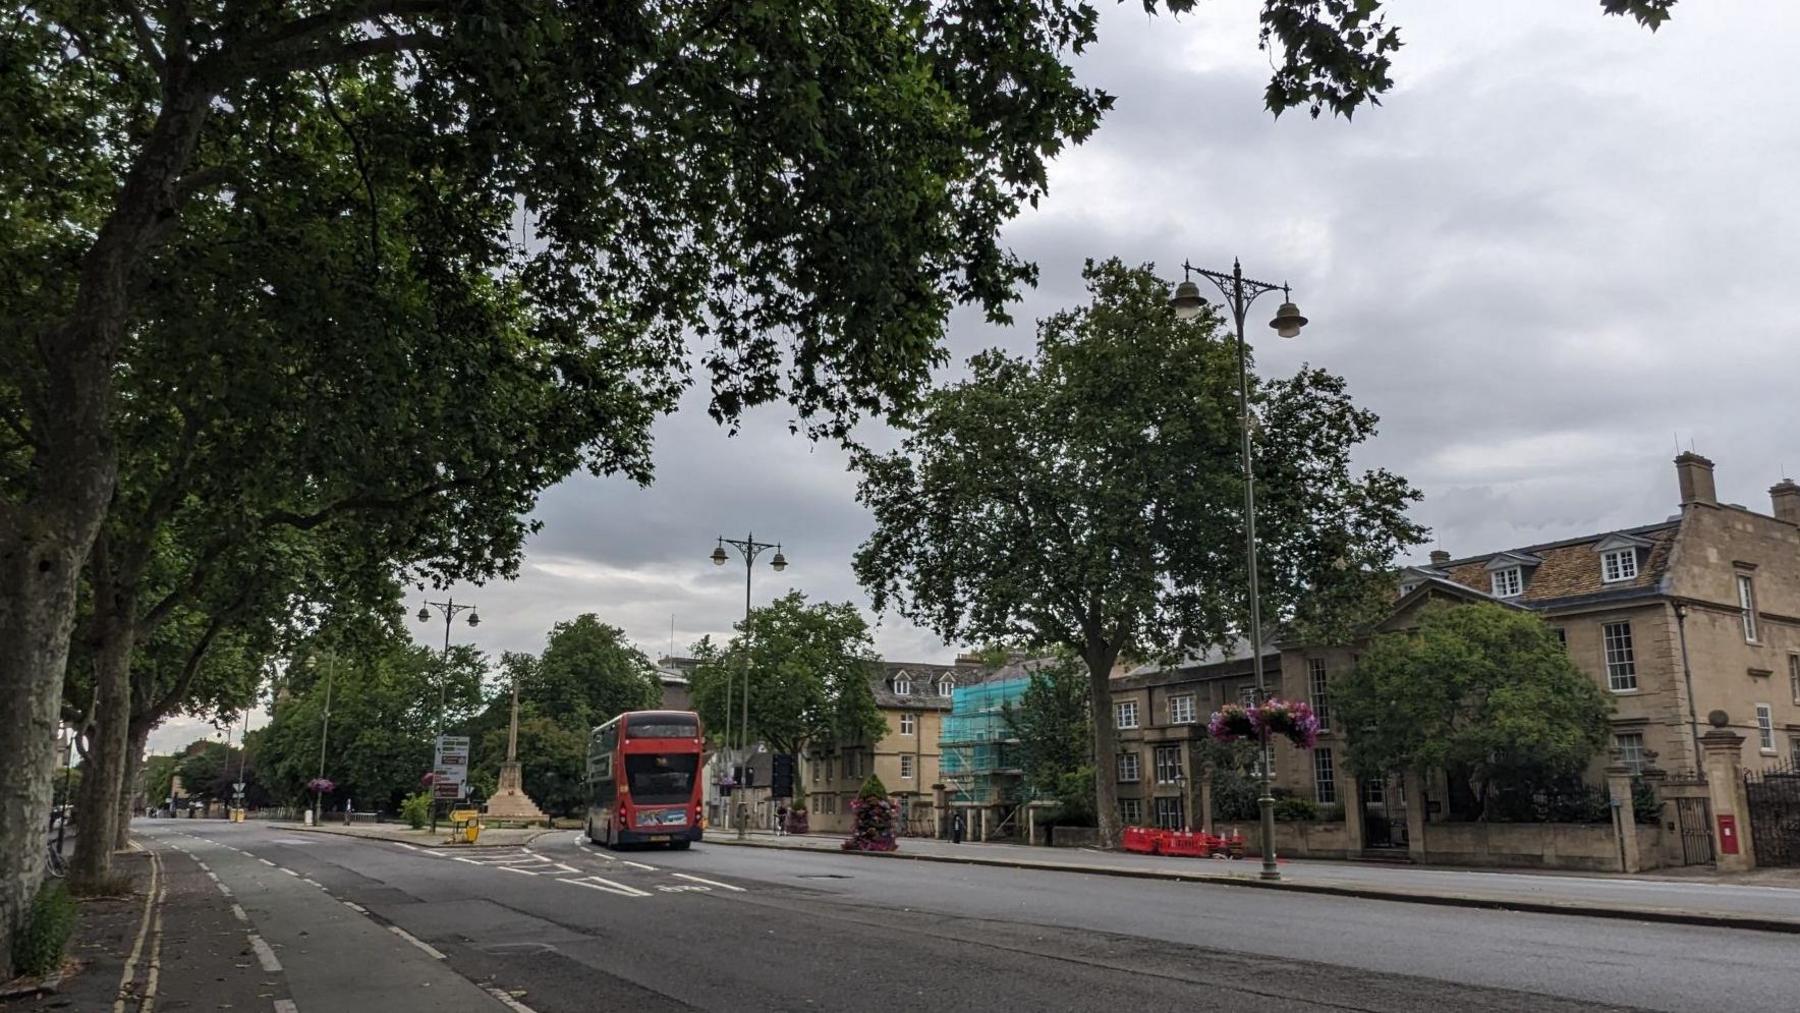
[(347, 922), (1681, 900)]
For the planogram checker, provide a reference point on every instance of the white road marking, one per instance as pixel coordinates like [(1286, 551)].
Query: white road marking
[(226, 890), (711, 882), (264, 955), (290, 872), (400, 844), (239, 913), (684, 888), (267, 862), (286, 1006), (637, 865), (567, 868), (212, 875), (629, 891), (129, 977), (522, 872), (513, 1004), (203, 866), (460, 858), (354, 906), (416, 941)]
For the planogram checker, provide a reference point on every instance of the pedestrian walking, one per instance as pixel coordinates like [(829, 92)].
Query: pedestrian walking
[(781, 813), (956, 828)]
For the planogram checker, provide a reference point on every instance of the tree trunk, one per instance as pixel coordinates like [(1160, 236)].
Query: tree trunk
[(44, 541), (136, 740), (38, 570), (1106, 779), (102, 781)]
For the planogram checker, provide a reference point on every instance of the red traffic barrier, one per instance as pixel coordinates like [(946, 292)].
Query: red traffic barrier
[(1142, 840)]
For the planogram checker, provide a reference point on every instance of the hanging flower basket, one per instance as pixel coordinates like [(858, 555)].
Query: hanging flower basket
[(1231, 723), (1293, 720), (322, 785)]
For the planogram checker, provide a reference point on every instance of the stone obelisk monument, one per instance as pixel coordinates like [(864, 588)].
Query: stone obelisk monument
[(510, 801)]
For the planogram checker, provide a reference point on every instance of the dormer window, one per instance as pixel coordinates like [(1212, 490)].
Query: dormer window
[(902, 686), (1406, 589), (945, 687), (1619, 556), (1617, 565), (1506, 573)]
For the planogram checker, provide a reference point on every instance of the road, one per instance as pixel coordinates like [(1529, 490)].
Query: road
[(563, 926)]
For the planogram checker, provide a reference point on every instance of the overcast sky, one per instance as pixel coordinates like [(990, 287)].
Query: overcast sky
[(1561, 242)]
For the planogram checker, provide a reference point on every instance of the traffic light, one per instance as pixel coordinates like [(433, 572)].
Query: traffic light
[(781, 775)]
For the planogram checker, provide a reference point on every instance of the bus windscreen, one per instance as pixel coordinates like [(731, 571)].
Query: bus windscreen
[(661, 778)]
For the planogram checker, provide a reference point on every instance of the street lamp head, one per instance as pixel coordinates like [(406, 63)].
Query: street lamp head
[(718, 555), (1187, 301), (780, 561), (474, 618), (424, 614), (1288, 320)]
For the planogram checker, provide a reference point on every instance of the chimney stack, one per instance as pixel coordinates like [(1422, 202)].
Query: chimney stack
[(1695, 473), (1439, 557), (1786, 497)]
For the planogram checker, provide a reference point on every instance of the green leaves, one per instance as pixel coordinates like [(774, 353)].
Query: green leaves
[(1092, 496), (1482, 690), (588, 674), (808, 670)]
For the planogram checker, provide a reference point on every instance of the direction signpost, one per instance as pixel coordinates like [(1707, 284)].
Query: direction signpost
[(450, 768)]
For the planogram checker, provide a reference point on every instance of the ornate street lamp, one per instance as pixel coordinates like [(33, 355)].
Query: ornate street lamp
[(749, 548), (1239, 293)]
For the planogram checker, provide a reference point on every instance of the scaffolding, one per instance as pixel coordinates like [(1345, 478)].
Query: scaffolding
[(978, 750)]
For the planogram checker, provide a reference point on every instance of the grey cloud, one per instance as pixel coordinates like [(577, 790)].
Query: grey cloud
[(1561, 240)]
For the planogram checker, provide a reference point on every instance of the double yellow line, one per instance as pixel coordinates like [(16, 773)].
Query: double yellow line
[(149, 928)]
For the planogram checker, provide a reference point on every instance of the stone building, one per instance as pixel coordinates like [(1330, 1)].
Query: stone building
[(913, 699), (1690, 624)]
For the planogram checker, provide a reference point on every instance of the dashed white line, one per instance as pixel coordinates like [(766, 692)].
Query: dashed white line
[(354, 906), (513, 1004), (711, 882), (291, 872), (567, 868), (267, 862), (416, 941), (238, 912), (226, 890), (460, 858), (637, 865), (400, 844), (264, 955), (203, 866), (522, 872)]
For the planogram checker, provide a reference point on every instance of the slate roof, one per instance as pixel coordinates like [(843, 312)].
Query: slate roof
[(1570, 570), (924, 677)]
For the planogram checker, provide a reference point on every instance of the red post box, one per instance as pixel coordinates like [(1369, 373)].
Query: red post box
[(1728, 834)]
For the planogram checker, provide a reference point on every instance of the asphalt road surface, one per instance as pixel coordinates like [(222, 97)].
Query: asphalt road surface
[(565, 926)]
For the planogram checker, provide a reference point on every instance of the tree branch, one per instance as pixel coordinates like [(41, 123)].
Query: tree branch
[(362, 168), (146, 41)]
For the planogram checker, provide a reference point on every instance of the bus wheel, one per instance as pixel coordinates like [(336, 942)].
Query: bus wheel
[(679, 845)]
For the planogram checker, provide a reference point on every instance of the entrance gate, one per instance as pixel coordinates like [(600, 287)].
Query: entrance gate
[(1693, 822), (1774, 800), (1384, 813)]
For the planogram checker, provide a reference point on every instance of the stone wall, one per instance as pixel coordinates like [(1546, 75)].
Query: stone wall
[(1591, 847), (1074, 837)]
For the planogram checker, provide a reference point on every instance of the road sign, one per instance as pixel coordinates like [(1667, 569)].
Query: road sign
[(237, 786), (451, 766)]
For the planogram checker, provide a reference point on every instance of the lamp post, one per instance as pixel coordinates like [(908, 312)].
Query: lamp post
[(324, 732), (1239, 293), (450, 609), (749, 548)]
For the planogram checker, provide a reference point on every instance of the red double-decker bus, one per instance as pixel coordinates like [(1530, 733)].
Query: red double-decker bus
[(643, 771)]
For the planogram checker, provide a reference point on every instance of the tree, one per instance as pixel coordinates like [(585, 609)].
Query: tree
[(384, 710), (1092, 499), (588, 674), (808, 669), (1482, 691), (1055, 728)]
